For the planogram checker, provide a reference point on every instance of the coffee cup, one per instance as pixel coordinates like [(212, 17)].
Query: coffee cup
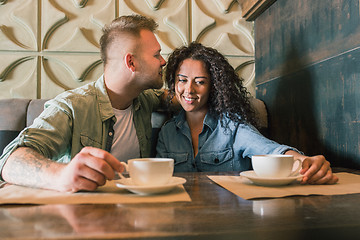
[(275, 166), (149, 171)]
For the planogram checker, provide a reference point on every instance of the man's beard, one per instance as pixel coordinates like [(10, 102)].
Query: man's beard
[(159, 84)]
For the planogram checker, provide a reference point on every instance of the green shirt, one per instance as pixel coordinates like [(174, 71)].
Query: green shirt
[(79, 118)]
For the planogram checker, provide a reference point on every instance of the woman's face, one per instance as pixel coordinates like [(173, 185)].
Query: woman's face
[(192, 85)]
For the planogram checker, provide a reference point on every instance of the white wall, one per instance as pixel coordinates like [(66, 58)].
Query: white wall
[(48, 46)]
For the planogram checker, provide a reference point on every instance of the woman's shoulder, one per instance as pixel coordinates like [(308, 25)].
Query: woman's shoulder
[(235, 125), (174, 122), (170, 123)]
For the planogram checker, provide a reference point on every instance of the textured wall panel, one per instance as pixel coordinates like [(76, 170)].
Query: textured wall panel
[(18, 75), (171, 15), (63, 72), (18, 25), (220, 25), (245, 67), (71, 26), (18, 39), (49, 46)]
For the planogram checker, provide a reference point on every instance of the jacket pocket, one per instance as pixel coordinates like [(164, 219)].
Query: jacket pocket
[(182, 162), (89, 142), (217, 158), (179, 157)]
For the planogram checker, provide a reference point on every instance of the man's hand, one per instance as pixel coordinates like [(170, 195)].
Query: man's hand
[(89, 169)]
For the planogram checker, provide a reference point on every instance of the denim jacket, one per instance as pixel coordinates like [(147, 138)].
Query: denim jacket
[(220, 149), (81, 117)]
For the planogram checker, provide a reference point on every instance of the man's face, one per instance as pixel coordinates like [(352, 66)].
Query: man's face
[(149, 61)]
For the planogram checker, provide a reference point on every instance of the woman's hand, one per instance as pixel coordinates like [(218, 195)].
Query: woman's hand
[(315, 169)]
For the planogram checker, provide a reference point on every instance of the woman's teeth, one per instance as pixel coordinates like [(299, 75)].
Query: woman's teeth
[(189, 99)]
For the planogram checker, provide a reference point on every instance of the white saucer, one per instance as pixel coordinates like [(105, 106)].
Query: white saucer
[(146, 190), (269, 181)]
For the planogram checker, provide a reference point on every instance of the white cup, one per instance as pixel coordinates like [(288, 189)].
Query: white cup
[(149, 171), (275, 166)]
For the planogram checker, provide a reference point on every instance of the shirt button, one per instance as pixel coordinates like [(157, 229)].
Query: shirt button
[(216, 160), (110, 134)]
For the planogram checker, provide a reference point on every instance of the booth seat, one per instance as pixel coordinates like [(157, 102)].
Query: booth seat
[(16, 114)]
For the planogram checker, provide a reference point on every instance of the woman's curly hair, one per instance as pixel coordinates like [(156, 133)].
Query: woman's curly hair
[(228, 97)]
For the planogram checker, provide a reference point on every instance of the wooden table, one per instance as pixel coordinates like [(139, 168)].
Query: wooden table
[(213, 213)]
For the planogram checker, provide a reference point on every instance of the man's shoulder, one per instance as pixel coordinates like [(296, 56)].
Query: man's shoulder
[(77, 96), (87, 89)]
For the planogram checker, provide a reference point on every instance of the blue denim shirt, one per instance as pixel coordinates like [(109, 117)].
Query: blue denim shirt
[(220, 149)]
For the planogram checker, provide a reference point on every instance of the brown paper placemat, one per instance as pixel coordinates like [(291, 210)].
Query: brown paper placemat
[(107, 194), (244, 188)]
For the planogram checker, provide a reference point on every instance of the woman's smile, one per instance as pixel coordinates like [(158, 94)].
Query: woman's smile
[(189, 100)]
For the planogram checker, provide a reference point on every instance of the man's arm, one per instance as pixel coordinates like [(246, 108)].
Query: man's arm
[(27, 167), (169, 102), (90, 168)]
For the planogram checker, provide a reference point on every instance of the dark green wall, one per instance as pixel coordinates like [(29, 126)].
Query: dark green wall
[(308, 74)]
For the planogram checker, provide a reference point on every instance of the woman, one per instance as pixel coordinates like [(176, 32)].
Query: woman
[(215, 130)]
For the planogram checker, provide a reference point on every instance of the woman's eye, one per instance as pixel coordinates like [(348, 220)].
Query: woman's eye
[(182, 80), (200, 82)]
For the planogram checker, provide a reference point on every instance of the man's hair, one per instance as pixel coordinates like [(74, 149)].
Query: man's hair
[(131, 24)]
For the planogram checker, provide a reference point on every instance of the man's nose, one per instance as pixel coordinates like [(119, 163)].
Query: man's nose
[(162, 61)]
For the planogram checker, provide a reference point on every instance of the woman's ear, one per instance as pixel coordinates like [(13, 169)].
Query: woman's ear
[(129, 62)]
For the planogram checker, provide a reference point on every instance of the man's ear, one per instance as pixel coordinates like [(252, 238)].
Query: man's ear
[(129, 62)]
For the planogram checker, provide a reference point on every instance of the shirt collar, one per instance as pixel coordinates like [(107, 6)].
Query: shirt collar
[(180, 119), (209, 121), (105, 106), (106, 110), (136, 104)]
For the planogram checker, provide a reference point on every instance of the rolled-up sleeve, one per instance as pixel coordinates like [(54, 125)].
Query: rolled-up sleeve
[(49, 135)]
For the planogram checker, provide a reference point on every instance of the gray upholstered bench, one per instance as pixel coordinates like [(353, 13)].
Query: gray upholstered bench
[(16, 114)]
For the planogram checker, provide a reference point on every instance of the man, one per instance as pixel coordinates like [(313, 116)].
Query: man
[(97, 124)]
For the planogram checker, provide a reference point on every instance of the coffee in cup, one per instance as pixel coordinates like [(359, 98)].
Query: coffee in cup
[(275, 166), (149, 171)]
